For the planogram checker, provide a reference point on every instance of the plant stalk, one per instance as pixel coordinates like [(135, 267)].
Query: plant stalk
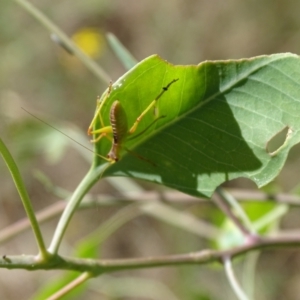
[(15, 173), (47, 23)]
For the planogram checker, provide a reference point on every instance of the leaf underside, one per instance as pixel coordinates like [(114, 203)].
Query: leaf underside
[(219, 119)]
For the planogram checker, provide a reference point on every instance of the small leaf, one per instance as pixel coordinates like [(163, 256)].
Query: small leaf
[(219, 118)]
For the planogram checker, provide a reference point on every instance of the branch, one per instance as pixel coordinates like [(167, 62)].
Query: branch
[(221, 202), (173, 196), (97, 267), (170, 197)]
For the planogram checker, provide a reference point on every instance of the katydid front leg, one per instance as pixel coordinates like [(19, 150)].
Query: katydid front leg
[(98, 112)]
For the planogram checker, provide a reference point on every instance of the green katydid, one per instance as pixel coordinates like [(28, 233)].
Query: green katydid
[(118, 127)]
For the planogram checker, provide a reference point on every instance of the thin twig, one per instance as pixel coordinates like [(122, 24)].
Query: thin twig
[(223, 205), (71, 286), (241, 195), (232, 279), (47, 23), (91, 201), (237, 208), (253, 195), (23, 224)]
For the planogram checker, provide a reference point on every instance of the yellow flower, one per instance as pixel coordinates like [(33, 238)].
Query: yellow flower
[(90, 41)]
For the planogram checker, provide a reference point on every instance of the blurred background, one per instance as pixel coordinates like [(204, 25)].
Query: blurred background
[(39, 75)]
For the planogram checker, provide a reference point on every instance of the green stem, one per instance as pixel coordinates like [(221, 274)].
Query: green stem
[(88, 181), (121, 52), (24, 197), (47, 23)]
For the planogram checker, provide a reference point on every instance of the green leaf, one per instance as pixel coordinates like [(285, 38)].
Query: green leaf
[(219, 119)]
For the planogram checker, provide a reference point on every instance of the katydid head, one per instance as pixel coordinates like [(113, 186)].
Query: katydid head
[(113, 154)]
